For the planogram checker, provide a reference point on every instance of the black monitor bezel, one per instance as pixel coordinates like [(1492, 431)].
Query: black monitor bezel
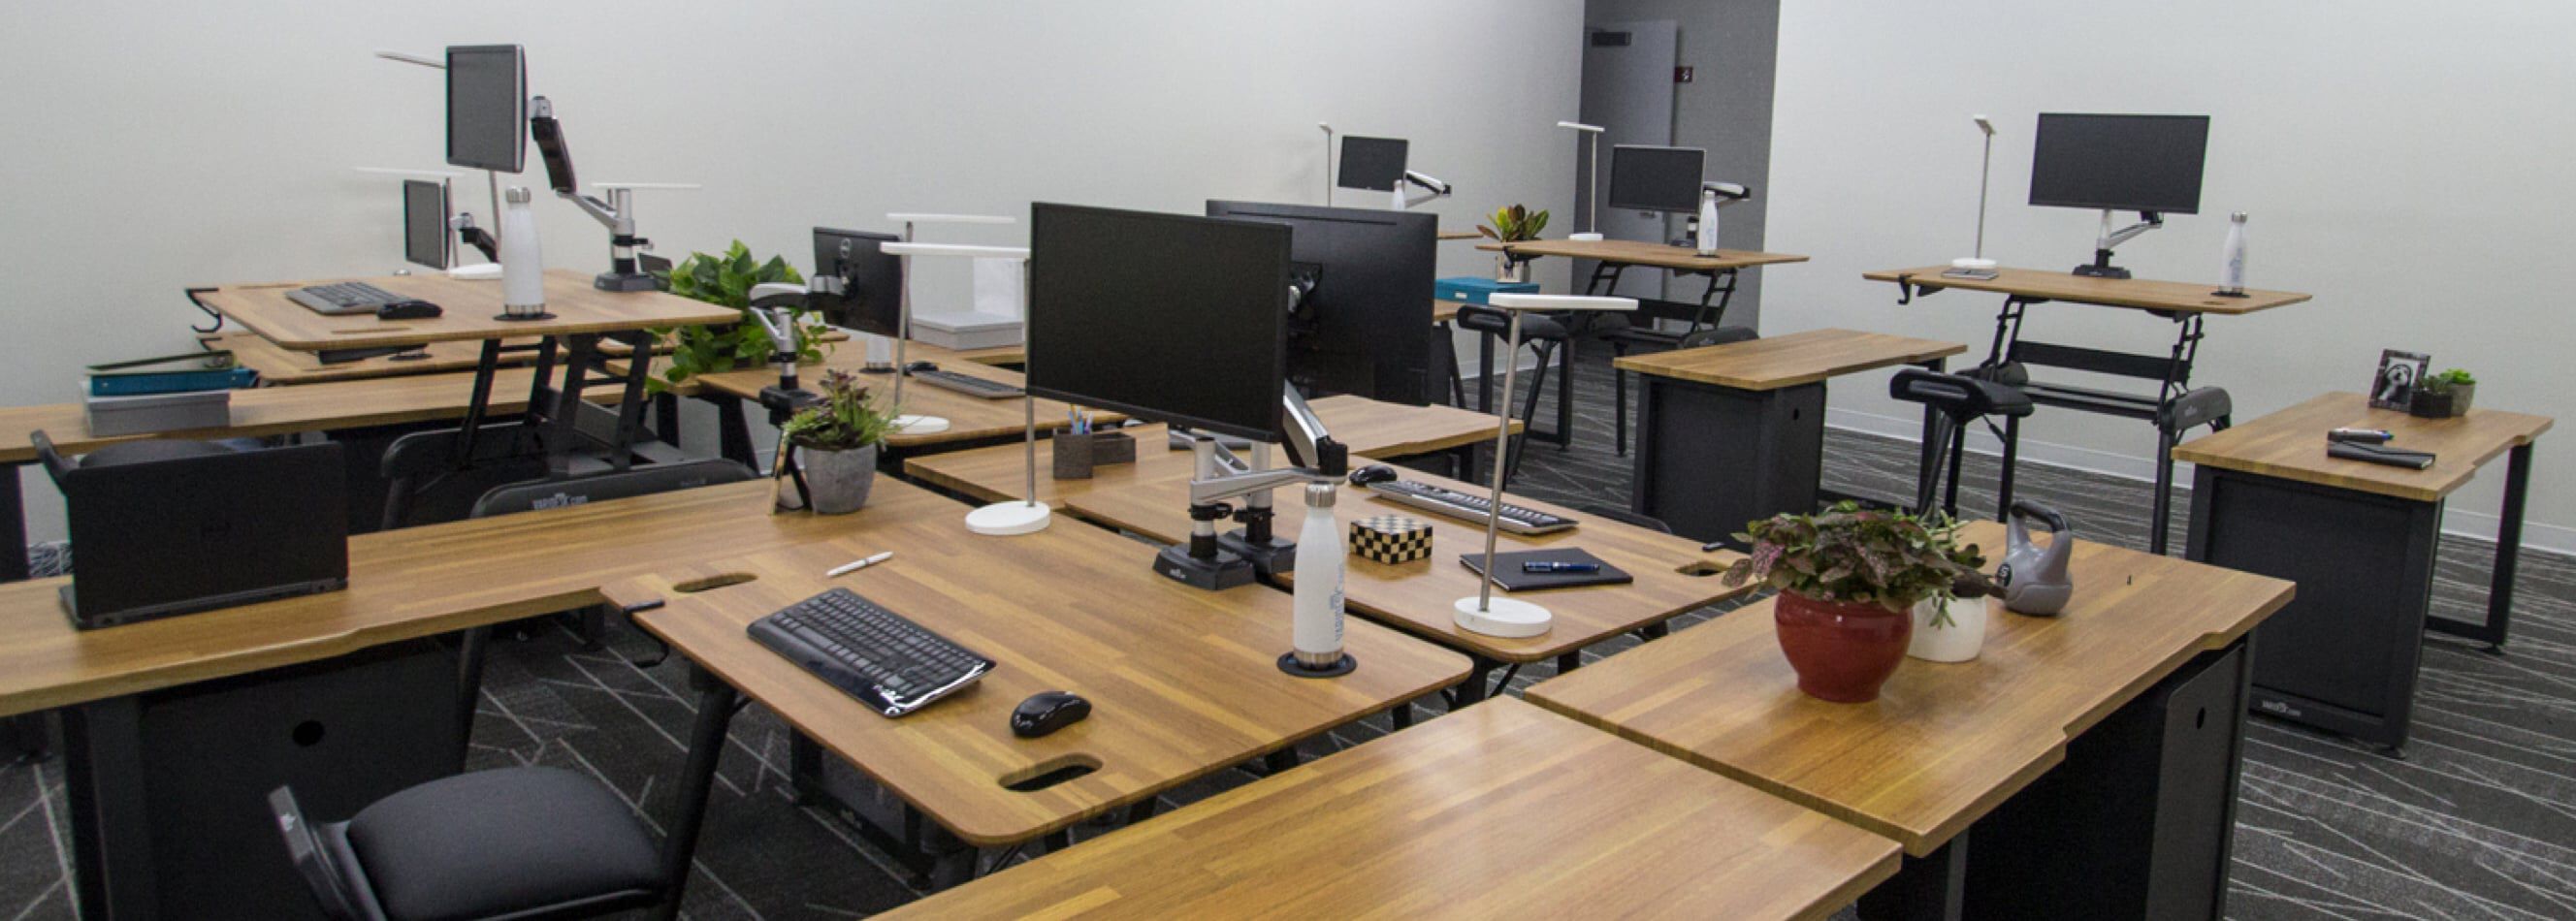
[(1403, 160), (446, 210), (1610, 194), (519, 152), (820, 233), (2038, 136)]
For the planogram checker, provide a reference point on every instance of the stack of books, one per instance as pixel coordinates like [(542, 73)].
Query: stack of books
[(172, 393)]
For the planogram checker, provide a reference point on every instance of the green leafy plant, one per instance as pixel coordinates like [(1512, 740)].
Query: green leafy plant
[(848, 418), (2447, 380), (727, 280), (1848, 554), (1514, 224)]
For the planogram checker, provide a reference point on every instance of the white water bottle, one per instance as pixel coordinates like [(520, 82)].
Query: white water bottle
[(2231, 269), (1316, 631), (523, 268), (1707, 222)]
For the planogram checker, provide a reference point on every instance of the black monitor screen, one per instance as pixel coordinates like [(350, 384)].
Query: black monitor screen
[(425, 223), (1374, 164), (1162, 316), (487, 107), (2119, 162), (1366, 329), (1656, 178), (871, 296)]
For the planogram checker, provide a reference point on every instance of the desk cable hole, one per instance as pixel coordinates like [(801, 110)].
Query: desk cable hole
[(711, 583), (1049, 773)]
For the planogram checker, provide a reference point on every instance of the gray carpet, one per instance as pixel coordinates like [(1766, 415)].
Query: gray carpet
[(2478, 822)]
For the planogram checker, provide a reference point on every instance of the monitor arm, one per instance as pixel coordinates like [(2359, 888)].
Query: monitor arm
[(1728, 193), (1221, 475), (617, 213), (477, 237), (2108, 238), (1432, 188)]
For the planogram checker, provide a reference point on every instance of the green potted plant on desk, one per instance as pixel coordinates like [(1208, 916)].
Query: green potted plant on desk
[(1515, 224), (1849, 579), (2443, 396), (838, 439), (727, 280)]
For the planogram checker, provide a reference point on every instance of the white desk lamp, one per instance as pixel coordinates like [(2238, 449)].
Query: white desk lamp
[(1328, 162), (1591, 181), (1484, 613), (1978, 266), (918, 424), (1000, 519)]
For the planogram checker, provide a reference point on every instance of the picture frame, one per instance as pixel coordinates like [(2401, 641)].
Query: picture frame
[(2400, 372)]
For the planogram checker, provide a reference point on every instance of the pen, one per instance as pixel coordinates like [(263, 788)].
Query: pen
[(1544, 566), (856, 565)]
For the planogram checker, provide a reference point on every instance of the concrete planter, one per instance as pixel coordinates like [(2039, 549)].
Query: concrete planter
[(840, 480)]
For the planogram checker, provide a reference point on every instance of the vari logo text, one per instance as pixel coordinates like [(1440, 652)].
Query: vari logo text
[(560, 500)]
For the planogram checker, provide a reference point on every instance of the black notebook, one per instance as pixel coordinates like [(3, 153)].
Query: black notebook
[(1512, 579)]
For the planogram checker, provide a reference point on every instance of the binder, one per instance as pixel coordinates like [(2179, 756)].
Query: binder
[(185, 373)]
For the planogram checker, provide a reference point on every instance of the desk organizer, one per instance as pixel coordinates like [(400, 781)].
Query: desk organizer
[(1391, 539), (1077, 455)]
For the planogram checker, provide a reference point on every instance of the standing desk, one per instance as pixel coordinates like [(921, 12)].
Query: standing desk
[(2187, 304), (1673, 576), (1728, 434), (2093, 754), (1613, 258), (2360, 540), (1183, 682), (1498, 810), (972, 421)]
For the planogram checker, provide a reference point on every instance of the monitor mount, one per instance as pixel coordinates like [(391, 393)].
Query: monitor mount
[(774, 307), (1217, 562), (1431, 188), (2101, 266), (628, 269)]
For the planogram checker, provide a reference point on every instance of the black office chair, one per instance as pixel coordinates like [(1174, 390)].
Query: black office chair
[(1955, 400), (1547, 338), (518, 843), (1716, 335)]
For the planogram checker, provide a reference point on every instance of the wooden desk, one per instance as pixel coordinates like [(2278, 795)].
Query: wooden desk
[(2135, 293), (1754, 410), (278, 366), (972, 420), (470, 308), (1944, 745), (2359, 539), (1447, 235), (1445, 820), (1418, 596), (1640, 252), (1183, 682)]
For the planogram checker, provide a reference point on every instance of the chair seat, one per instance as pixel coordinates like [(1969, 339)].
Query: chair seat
[(516, 842), (1959, 396)]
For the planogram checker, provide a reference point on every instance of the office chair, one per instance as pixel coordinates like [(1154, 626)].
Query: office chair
[(1715, 335), (1547, 338), (517, 843), (1955, 400)]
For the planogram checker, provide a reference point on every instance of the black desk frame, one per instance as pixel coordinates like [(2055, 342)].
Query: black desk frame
[(550, 426), (1707, 313)]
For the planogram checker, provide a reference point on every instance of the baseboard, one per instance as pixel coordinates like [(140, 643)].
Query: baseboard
[(2473, 525)]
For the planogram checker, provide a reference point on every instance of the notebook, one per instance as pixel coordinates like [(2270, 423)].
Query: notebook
[(1512, 579)]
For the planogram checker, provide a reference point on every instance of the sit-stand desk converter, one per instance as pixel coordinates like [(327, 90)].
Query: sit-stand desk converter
[(2187, 304), (1183, 682), (2360, 540), (1612, 258), (1673, 576), (1439, 821), (1728, 434), (2092, 756)]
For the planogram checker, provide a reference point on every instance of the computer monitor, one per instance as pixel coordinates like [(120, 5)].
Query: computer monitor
[(870, 298), (425, 223), (2147, 163), (1372, 164), (1162, 316), (1644, 178), (487, 107), (1366, 328)]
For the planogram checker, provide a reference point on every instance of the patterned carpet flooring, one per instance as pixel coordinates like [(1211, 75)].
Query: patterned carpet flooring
[(2479, 821)]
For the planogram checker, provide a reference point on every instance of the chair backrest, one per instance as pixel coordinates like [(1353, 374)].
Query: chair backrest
[(1720, 335), (312, 858), (641, 481), (1626, 517)]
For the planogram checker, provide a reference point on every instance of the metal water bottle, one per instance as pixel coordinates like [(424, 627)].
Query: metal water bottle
[(1316, 630), (523, 268), (2231, 269), (1707, 224)]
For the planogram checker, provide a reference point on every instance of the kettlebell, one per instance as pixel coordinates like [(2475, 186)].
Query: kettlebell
[(2036, 580)]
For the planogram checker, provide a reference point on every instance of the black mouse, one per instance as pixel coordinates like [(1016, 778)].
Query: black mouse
[(920, 366), (1373, 474), (1046, 712), (408, 310)]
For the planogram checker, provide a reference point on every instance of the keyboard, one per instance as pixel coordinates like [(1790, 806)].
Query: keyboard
[(889, 663), (344, 297), (967, 384), (1457, 504)]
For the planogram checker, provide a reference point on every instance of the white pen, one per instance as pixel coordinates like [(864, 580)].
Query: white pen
[(854, 566)]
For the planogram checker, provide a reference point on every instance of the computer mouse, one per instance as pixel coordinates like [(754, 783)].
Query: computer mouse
[(920, 366), (1374, 474), (408, 310), (1046, 712)]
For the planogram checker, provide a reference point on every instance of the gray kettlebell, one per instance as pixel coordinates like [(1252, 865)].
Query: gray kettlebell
[(2036, 580)]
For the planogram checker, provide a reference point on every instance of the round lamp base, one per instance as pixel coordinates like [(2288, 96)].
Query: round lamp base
[(1004, 519), (1584, 237), (1505, 617), (920, 425), (1981, 265)]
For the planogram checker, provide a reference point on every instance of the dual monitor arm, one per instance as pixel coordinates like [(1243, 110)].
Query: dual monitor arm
[(1212, 561)]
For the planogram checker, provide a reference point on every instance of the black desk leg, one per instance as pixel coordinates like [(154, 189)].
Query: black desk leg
[(1478, 684), (13, 525), (706, 748), (1928, 888), (666, 418), (2508, 559), (733, 431)]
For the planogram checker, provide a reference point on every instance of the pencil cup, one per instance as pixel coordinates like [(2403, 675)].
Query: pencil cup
[(1074, 455)]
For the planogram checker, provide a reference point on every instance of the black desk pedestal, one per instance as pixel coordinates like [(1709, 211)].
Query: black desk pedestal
[(1711, 459)]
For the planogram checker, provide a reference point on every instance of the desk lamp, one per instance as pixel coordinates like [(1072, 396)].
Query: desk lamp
[(919, 424), (1328, 162), (1978, 266), (1484, 613), (1001, 519), (1591, 182)]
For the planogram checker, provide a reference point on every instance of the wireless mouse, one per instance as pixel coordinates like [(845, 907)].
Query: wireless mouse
[(407, 310), (1046, 712), (920, 366), (1373, 474)]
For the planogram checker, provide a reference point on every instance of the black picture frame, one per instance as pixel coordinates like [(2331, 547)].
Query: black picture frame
[(2400, 372)]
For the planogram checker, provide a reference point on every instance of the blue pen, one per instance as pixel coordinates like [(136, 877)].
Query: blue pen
[(1547, 566)]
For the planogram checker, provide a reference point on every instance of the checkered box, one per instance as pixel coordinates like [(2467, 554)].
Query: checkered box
[(1391, 539)]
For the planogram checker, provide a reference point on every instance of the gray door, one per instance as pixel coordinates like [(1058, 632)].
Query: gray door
[(1627, 90)]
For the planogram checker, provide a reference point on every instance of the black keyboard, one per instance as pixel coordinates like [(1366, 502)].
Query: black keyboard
[(966, 384), (344, 297), (889, 663), (1457, 504)]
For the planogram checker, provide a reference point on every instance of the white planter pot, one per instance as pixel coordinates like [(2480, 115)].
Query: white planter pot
[(840, 479), (1508, 269), (1958, 642)]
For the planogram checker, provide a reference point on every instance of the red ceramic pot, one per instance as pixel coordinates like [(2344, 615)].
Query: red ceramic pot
[(1842, 651)]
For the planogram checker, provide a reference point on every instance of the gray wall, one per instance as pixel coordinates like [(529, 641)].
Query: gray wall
[(1734, 44)]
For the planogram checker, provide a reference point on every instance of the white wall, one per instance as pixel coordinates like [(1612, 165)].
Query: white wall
[(2404, 162), (154, 146)]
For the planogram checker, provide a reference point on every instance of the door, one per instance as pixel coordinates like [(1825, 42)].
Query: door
[(1628, 91)]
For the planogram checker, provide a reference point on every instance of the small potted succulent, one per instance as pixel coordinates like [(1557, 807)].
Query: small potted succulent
[(1513, 225), (838, 438), (1849, 579), (2444, 395)]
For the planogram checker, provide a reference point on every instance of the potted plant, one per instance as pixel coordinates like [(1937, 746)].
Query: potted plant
[(2444, 395), (1513, 225), (839, 437), (1849, 579), (727, 280)]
